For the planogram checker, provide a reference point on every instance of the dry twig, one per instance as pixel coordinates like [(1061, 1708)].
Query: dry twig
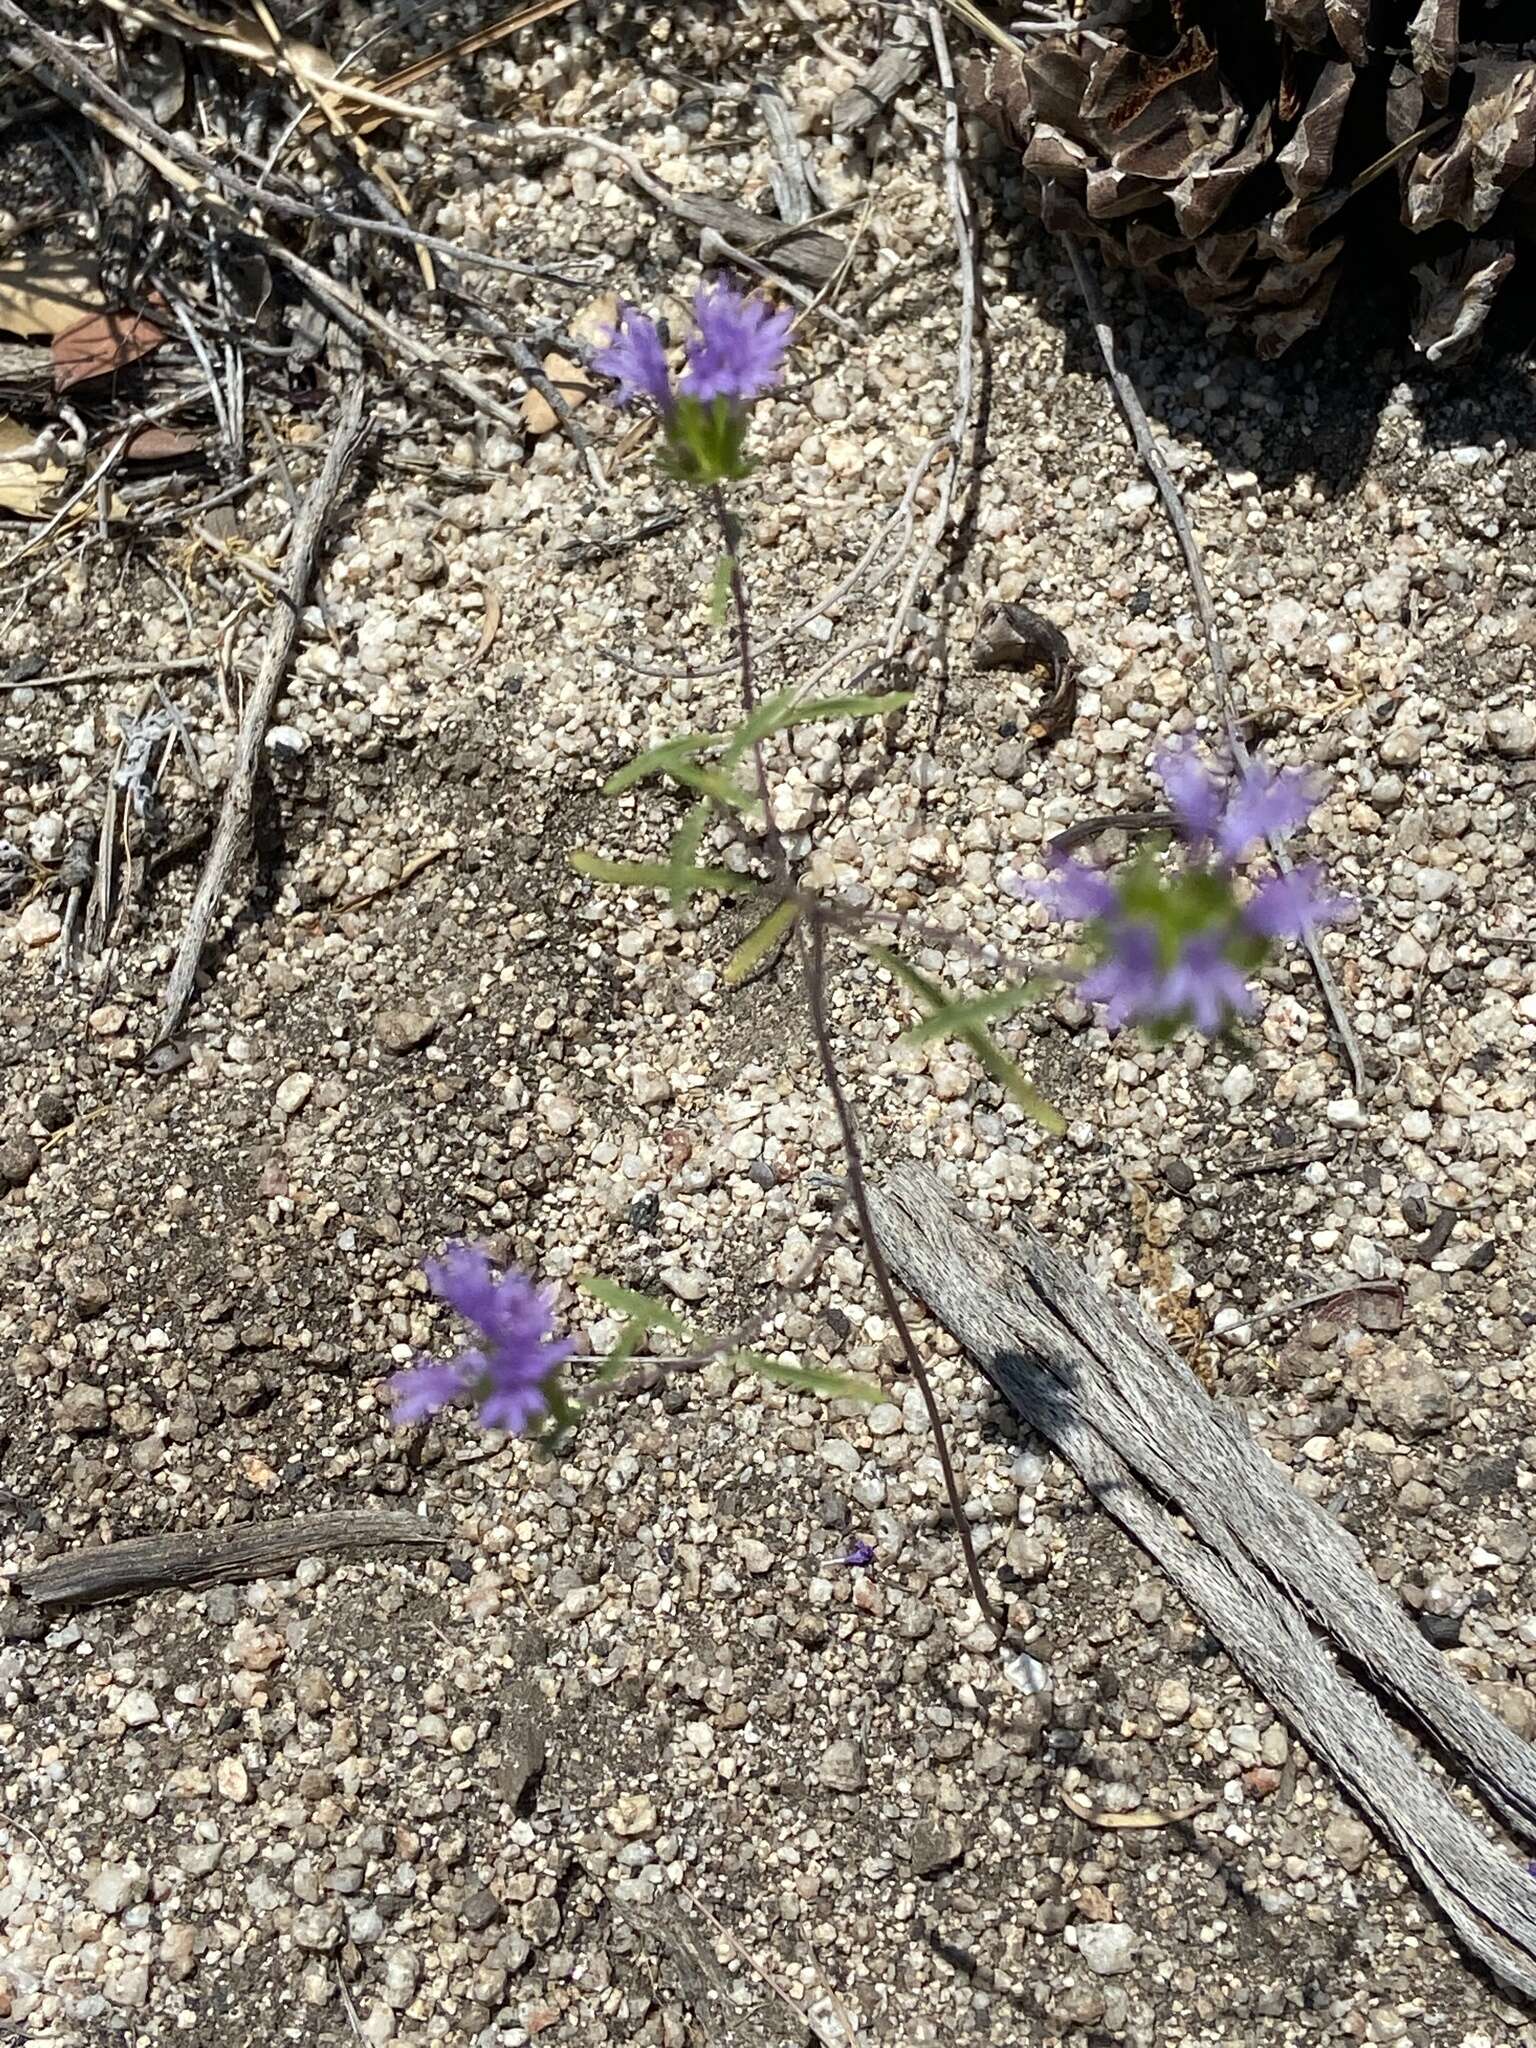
[(255, 1550), (965, 348), (303, 554), (1275, 1577)]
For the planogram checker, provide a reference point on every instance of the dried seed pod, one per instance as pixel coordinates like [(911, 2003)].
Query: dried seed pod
[(1240, 151)]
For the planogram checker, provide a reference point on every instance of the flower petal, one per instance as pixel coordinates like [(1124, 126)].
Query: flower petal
[(429, 1385), (1287, 906), (1127, 981), (1265, 805), (466, 1280), (1204, 984), (633, 354), (738, 352), (1075, 892), (1194, 792)]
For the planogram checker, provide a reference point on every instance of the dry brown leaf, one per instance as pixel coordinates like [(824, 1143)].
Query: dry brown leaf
[(44, 293), (491, 627), (573, 385), (101, 345), (1139, 1817), (25, 487), (162, 444)]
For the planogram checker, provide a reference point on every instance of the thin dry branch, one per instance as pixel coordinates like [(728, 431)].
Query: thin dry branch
[(965, 347), (1125, 391), (234, 817), (254, 1550)]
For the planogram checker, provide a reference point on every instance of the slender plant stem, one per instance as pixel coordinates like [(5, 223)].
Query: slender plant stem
[(813, 961), (812, 928)]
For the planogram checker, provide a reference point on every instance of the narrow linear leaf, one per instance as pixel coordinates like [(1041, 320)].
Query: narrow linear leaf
[(625, 1301), (655, 874), (994, 1061), (767, 718), (820, 708), (759, 942), (1006, 1074), (660, 760), (780, 713), (956, 1018), (713, 783), (834, 1386), (720, 590), (683, 853)]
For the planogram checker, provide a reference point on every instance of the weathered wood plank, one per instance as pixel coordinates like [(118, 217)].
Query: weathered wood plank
[(1270, 1572)]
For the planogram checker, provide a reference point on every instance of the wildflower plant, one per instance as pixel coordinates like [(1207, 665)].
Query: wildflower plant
[(1173, 938), (1174, 942)]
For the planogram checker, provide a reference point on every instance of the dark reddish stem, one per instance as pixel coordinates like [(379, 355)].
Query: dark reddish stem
[(812, 933)]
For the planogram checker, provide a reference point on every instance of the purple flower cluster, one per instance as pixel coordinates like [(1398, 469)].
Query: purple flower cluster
[(736, 353), (509, 1375), (1175, 948)]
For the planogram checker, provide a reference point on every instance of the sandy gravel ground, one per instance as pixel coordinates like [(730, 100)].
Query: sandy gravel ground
[(640, 1758)]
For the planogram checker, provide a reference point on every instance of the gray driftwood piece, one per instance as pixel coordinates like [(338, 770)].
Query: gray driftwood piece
[(205, 1557), (898, 65), (801, 251), (1274, 1576)]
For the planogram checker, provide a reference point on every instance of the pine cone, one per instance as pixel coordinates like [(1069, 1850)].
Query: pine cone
[(1241, 151)]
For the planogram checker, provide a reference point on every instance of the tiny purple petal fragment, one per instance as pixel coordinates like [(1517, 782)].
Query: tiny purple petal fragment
[(1264, 805), (634, 356), (860, 1552), (1193, 791), (1072, 891), (1288, 906), (738, 352), (507, 1375)]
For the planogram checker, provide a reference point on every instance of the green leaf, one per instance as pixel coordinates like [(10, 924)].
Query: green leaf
[(733, 794), (766, 717), (779, 713), (720, 590), (683, 853), (655, 874), (820, 708), (660, 760), (994, 1061), (955, 1018), (646, 1310), (834, 1386), (759, 941)]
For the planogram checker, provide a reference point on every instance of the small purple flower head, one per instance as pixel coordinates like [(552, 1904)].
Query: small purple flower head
[(633, 354), (1171, 942), (510, 1375), (738, 352), (859, 1552)]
